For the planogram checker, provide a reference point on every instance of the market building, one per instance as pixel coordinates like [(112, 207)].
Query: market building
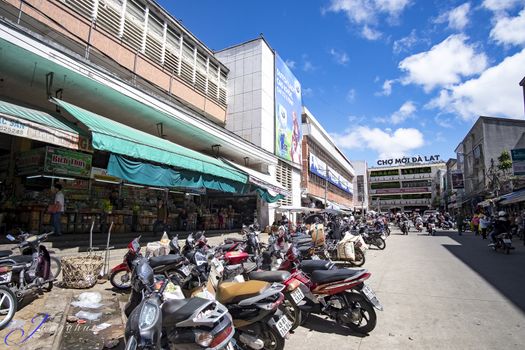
[(124, 107), (360, 186), (477, 159), (453, 189), (265, 106), (327, 176), (405, 187)]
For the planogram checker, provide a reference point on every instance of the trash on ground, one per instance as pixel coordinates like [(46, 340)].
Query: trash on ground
[(88, 300), (91, 316), (101, 327)]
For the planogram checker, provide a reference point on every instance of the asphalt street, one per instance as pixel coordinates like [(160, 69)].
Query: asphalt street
[(439, 292)]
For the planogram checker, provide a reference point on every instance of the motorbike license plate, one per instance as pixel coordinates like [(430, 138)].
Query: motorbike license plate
[(371, 296), (507, 241), (185, 270), (6, 278), (297, 295), (283, 326)]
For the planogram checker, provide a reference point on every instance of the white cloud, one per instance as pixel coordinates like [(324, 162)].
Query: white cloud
[(290, 63), (500, 5), (457, 18), (406, 111), (386, 143), (494, 93), (406, 43), (509, 30), (308, 92), (308, 66), (445, 64), (366, 13), (340, 57), (443, 122), (350, 96), (371, 33), (387, 88)]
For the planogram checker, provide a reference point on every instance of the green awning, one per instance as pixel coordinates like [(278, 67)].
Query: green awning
[(33, 115), (111, 136)]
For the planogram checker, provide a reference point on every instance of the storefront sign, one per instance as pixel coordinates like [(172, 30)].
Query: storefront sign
[(288, 108), (401, 190), (518, 161), (24, 128), (317, 166), (67, 162), (408, 160), (31, 162)]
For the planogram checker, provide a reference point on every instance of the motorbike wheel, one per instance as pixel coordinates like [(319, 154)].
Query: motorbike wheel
[(116, 279), (359, 258), (357, 310), (380, 243), (292, 311), (272, 339), (8, 306), (56, 266)]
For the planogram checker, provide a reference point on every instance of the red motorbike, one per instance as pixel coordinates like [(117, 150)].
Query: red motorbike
[(120, 276), (341, 294)]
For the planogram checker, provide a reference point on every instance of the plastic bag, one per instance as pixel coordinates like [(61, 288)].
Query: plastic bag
[(88, 300), (86, 315)]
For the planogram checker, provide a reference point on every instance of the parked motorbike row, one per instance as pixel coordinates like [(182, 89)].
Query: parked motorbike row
[(242, 294), (31, 271)]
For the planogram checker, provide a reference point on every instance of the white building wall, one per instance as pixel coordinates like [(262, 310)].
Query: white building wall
[(250, 112)]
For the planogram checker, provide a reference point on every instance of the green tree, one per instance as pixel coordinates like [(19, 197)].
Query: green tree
[(504, 162)]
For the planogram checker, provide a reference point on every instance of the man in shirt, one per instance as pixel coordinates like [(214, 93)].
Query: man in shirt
[(57, 215)]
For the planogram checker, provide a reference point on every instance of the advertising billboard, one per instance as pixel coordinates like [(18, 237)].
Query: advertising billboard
[(518, 161), (288, 108), (318, 167), (457, 180)]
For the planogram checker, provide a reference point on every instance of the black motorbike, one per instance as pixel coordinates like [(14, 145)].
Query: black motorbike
[(503, 242), (21, 275), (159, 323), (405, 227)]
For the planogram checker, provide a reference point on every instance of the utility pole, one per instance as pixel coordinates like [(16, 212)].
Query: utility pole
[(326, 187)]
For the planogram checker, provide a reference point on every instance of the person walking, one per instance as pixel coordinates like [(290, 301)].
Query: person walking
[(57, 209), (475, 223), (460, 222), (162, 214), (484, 223)]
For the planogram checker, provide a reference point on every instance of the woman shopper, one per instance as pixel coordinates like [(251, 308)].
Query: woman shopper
[(484, 223), (57, 209)]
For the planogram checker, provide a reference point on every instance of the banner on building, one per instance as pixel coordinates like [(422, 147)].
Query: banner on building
[(318, 167), (518, 161), (457, 180), (288, 109)]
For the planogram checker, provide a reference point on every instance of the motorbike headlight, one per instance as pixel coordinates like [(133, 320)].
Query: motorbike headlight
[(203, 338), (148, 315)]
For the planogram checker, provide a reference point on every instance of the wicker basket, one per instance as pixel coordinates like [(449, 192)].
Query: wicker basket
[(81, 271)]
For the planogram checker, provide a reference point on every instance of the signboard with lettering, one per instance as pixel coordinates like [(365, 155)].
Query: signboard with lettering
[(518, 161), (409, 160), (24, 128), (401, 190), (318, 167), (67, 162), (31, 162), (457, 179)]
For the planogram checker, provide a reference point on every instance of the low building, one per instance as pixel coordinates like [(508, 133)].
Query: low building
[(327, 175), (407, 187), (360, 185), (477, 157)]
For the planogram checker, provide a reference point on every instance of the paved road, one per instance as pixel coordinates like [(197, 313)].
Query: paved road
[(441, 292)]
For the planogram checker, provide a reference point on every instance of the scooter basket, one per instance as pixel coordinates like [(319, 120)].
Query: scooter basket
[(81, 271)]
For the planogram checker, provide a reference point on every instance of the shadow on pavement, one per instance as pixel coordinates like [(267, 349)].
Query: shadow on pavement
[(504, 272), (318, 324)]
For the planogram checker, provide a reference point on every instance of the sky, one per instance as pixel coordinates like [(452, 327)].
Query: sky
[(386, 78)]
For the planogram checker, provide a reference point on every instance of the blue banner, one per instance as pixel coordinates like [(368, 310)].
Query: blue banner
[(288, 109), (318, 167)]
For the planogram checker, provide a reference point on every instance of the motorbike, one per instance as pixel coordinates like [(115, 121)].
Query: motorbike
[(431, 227), (120, 275), (372, 237), (405, 227), (158, 323), (503, 242), (419, 226), (21, 275), (341, 294)]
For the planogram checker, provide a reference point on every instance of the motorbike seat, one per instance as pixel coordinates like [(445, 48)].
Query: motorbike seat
[(269, 276), (233, 240), (18, 259), (233, 292), (169, 259), (178, 310), (309, 266), (226, 246), (327, 276), (4, 253), (300, 240)]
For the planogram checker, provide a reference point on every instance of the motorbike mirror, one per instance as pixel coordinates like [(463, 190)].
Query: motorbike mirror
[(10, 237)]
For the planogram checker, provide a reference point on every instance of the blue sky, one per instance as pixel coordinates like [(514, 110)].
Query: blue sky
[(385, 77)]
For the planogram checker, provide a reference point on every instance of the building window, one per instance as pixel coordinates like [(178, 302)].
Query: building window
[(284, 177), (411, 171), (420, 183), (379, 185), (392, 172)]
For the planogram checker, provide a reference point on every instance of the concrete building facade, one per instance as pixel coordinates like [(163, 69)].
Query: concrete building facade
[(361, 198), (408, 187)]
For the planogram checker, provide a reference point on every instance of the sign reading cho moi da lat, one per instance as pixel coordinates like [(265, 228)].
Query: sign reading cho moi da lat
[(288, 109)]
